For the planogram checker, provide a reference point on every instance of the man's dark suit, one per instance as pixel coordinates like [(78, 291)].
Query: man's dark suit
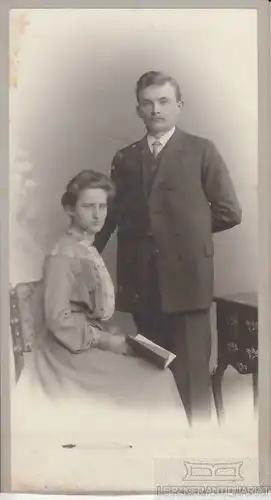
[(165, 217)]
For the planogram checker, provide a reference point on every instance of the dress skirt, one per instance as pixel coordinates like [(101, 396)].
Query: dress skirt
[(95, 409)]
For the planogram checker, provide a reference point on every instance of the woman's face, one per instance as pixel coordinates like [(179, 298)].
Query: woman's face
[(90, 210)]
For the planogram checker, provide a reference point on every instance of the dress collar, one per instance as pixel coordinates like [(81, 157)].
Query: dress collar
[(81, 235)]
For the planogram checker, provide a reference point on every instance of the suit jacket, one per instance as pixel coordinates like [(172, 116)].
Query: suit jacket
[(170, 214)]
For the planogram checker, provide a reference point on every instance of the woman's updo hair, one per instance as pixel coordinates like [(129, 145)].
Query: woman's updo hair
[(87, 179)]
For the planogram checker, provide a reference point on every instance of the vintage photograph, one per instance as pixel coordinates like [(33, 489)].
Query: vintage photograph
[(133, 180)]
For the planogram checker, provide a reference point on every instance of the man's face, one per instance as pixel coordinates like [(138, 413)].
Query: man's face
[(158, 108)]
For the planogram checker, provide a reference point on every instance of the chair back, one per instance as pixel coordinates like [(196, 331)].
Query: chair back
[(26, 318)]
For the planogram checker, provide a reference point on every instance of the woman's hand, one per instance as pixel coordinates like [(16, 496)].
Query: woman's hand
[(115, 343), (119, 345), (115, 330)]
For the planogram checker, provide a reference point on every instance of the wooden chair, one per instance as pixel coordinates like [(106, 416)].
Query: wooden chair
[(26, 316)]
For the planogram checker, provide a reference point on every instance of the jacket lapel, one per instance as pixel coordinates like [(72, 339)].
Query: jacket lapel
[(169, 155), (166, 157), (145, 164)]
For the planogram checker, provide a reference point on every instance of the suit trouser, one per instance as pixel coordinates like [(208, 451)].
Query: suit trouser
[(188, 335)]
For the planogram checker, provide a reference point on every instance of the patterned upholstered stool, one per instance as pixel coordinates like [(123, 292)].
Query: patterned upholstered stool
[(26, 316)]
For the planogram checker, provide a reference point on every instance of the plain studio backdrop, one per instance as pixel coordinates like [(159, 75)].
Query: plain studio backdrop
[(72, 106)]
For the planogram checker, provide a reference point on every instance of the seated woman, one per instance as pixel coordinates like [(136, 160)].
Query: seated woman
[(76, 357)]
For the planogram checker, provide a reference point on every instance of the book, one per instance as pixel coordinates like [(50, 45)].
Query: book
[(150, 351)]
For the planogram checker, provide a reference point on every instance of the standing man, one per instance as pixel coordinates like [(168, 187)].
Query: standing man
[(173, 191)]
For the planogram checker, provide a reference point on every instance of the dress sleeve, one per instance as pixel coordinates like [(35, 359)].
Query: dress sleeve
[(72, 330)]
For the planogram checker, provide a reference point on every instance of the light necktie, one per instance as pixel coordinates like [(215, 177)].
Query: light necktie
[(156, 145)]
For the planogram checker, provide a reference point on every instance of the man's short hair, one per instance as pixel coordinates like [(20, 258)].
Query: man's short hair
[(157, 78)]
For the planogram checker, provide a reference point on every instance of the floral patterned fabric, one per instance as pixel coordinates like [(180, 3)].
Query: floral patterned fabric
[(104, 290)]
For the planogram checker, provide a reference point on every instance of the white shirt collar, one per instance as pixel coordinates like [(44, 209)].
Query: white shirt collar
[(163, 140)]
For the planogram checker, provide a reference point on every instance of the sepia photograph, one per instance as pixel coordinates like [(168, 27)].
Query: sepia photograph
[(134, 250)]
